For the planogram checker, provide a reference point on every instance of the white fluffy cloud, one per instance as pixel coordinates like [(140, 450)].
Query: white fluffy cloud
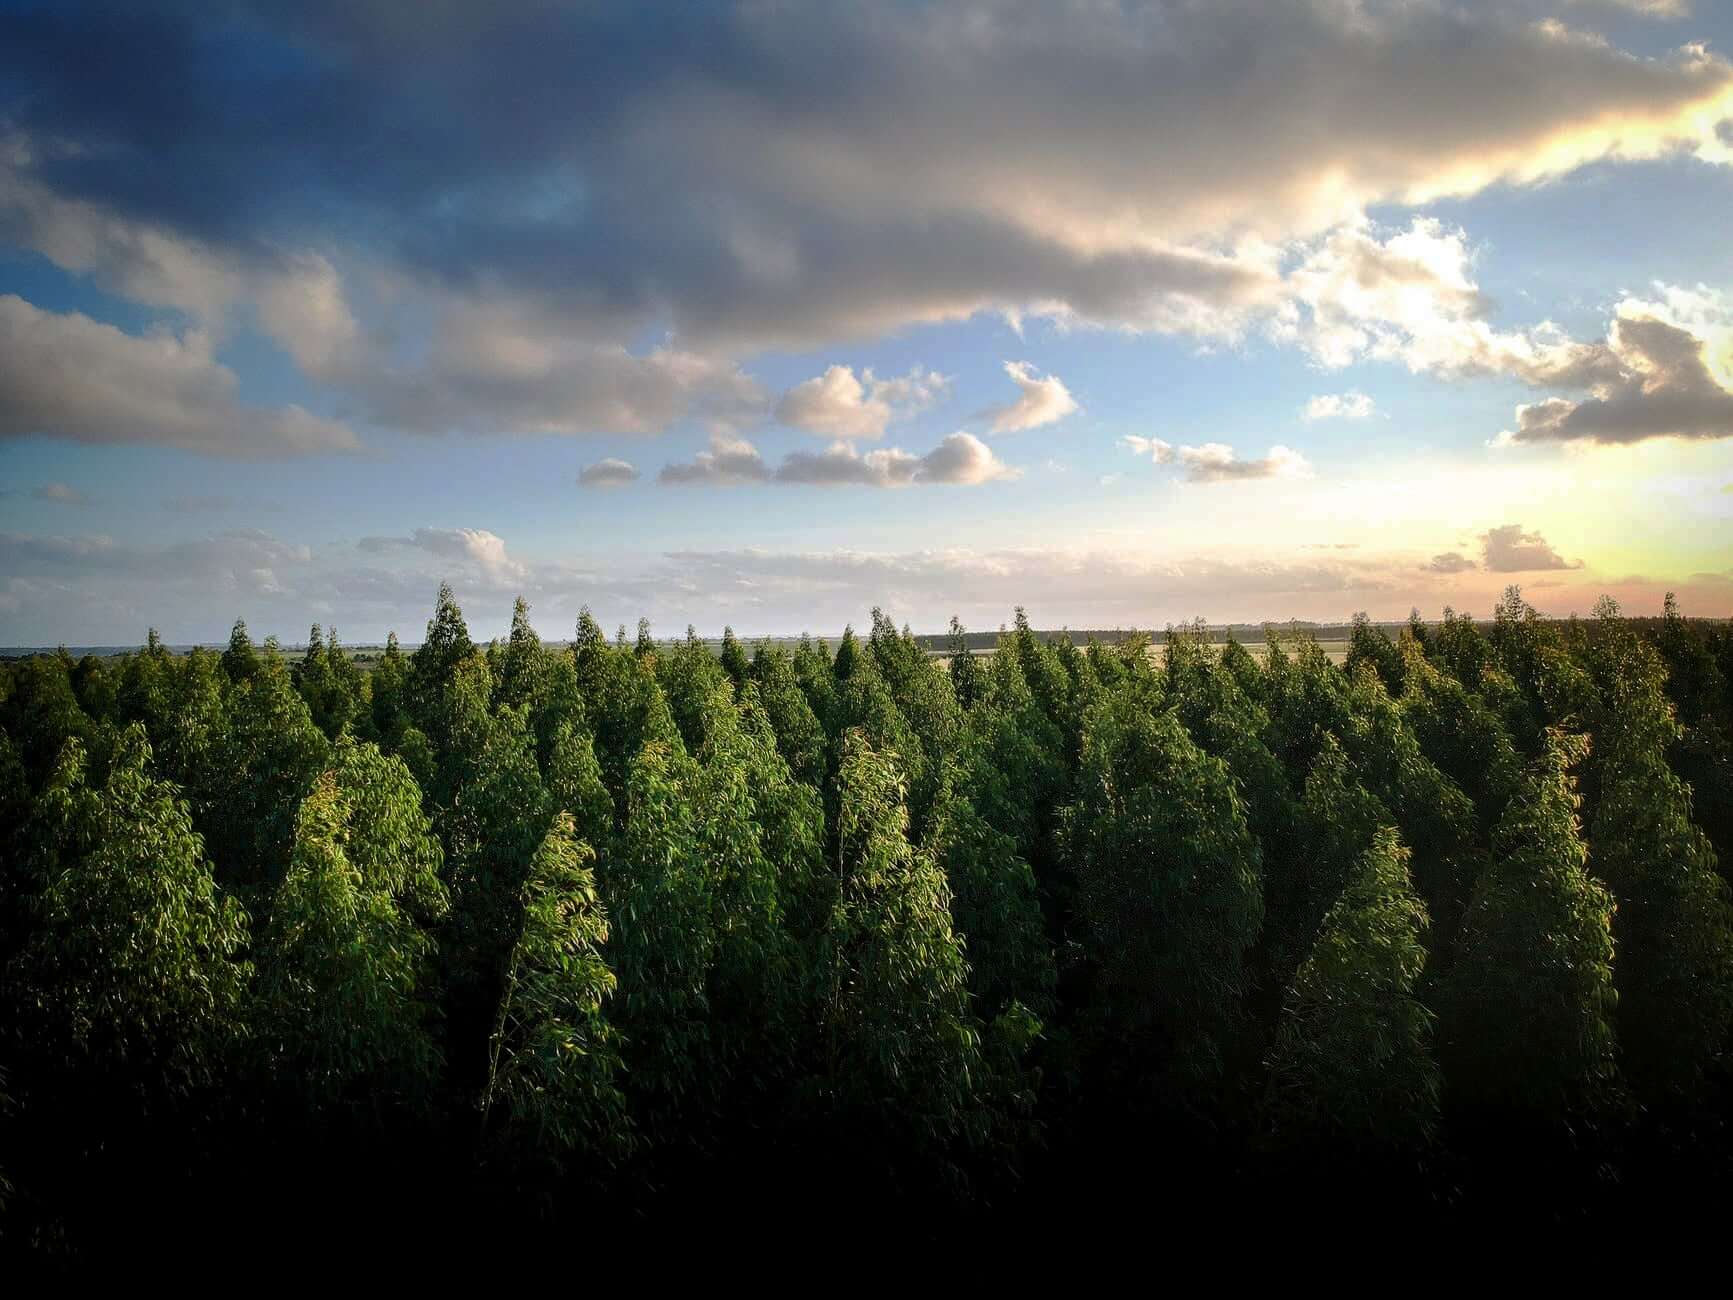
[(69, 376), (475, 549), (728, 462), (1041, 399), (1411, 297), (1216, 462), (961, 459), (836, 404), (1352, 405), (612, 472)]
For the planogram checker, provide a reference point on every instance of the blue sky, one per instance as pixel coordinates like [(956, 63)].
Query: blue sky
[(1126, 313)]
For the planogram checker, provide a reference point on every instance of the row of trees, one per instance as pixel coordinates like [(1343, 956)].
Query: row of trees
[(620, 920)]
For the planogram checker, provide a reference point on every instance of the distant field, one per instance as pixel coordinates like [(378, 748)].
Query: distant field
[(367, 656)]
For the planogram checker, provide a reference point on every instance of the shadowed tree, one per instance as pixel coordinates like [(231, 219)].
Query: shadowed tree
[(1352, 1060), (733, 659), (346, 964), (1526, 1020), (552, 1092), (799, 734), (240, 660), (1168, 876), (903, 1052), (134, 967), (1337, 819), (996, 908), (965, 672), (1674, 926)]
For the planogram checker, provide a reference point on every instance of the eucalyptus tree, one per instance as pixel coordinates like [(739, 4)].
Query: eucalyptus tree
[(1674, 926), (552, 1094), (347, 972), (816, 676), (1459, 733), (661, 893), (1434, 815), (1224, 721), (573, 779), (1372, 647), (996, 910), (1352, 1059), (255, 779), (1526, 1022), (965, 671), (799, 734), (1336, 821), (134, 971), (1168, 875), (240, 660), (902, 1050), (733, 659)]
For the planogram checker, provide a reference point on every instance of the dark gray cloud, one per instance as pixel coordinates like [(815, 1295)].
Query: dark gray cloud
[(552, 184), (1511, 549), (1664, 389), (69, 376)]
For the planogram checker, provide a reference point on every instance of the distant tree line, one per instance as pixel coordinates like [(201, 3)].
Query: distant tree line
[(634, 932)]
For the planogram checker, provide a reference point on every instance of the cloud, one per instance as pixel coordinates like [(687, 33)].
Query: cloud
[(494, 367), (728, 462), (960, 459), (1410, 296), (1040, 400), (774, 176), (1672, 378), (1509, 549), (1215, 462), (476, 549), (1666, 9), (1352, 405), (60, 494), (1449, 562), (68, 376), (838, 405), (611, 472)]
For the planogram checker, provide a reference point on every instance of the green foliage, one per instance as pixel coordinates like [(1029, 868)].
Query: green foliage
[(1352, 1060), (799, 734), (255, 778), (347, 961), (996, 910), (1337, 819), (1168, 873), (136, 960), (1526, 1023), (903, 1051), (552, 1091), (1674, 926)]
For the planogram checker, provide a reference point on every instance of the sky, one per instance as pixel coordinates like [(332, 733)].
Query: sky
[(763, 314)]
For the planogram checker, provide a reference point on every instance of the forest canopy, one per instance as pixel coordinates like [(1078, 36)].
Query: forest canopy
[(603, 929)]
